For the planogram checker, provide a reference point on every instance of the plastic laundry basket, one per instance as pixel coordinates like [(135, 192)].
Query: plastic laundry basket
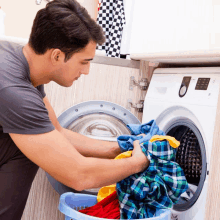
[(70, 203)]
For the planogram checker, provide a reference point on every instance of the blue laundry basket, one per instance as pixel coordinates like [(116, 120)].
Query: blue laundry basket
[(71, 203)]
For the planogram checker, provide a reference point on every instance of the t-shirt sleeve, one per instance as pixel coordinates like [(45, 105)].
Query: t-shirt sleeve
[(22, 111)]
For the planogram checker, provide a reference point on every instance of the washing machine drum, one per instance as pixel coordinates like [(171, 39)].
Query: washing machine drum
[(95, 119), (191, 156)]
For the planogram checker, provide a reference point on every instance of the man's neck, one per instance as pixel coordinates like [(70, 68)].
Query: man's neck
[(38, 65)]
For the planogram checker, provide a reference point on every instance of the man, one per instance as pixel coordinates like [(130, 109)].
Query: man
[(61, 45)]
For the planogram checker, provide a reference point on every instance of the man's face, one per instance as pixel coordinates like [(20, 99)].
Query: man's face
[(78, 64)]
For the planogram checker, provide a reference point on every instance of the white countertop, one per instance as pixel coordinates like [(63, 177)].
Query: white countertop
[(196, 56)]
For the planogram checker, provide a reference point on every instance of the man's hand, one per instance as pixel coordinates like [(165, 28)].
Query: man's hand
[(142, 160)]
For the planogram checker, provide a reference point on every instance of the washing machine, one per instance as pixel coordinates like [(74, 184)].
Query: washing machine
[(183, 101)]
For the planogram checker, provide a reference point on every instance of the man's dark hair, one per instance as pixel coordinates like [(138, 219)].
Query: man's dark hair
[(65, 25)]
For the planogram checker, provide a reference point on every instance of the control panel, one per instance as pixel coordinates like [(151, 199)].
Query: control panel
[(202, 83), (196, 86)]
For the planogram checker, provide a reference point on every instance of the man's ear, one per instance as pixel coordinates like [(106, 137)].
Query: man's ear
[(56, 56)]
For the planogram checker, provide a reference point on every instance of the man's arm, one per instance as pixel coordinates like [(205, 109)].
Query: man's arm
[(89, 147), (86, 146), (55, 154)]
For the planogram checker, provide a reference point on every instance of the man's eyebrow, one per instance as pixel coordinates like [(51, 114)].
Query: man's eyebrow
[(88, 59)]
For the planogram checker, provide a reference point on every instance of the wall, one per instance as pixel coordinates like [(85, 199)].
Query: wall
[(20, 15)]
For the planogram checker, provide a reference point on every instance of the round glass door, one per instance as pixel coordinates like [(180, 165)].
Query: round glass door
[(99, 126), (95, 119)]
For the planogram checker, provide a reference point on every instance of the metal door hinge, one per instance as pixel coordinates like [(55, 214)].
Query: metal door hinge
[(142, 84), (139, 106)]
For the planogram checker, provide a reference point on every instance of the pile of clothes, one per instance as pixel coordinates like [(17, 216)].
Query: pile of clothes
[(140, 195)]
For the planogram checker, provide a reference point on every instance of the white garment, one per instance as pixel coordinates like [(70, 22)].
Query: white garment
[(2, 25)]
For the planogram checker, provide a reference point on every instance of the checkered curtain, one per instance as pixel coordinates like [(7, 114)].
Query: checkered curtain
[(111, 18)]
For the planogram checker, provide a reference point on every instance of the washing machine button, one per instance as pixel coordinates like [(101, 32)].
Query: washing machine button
[(184, 85), (183, 90)]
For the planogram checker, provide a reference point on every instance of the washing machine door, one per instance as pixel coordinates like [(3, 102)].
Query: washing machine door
[(95, 119), (191, 156)]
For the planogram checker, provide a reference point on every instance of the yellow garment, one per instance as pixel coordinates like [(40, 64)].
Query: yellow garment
[(107, 190), (172, 141), (124, 155)]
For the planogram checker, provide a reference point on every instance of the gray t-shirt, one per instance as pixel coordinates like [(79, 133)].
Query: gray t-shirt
[(22, 109)]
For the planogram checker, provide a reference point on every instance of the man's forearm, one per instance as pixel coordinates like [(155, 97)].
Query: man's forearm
[(90, 147), (98, 172)]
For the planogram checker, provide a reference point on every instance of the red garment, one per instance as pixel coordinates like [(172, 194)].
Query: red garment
[(107, 208), (99, 5)]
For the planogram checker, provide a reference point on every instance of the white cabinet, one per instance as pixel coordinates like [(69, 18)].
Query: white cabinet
[(165, 26), (171, 28)]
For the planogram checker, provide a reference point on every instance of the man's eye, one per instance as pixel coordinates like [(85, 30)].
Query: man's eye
[(84, 63)]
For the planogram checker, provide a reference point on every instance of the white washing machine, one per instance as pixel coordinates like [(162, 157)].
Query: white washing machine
[(183, 101)]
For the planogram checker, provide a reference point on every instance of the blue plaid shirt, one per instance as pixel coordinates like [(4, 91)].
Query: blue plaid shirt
[(159, 186)]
